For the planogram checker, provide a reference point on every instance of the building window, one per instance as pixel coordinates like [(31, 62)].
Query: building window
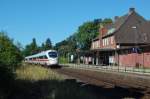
[(96, 44), (93, 45), (111, 40), (107, 41), (103, 42)]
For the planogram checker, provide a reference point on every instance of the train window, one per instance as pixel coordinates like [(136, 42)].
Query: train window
[(45, 57), (52, 54), (41, 57)]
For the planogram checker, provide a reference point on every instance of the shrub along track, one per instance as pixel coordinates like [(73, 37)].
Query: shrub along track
[(133, 82)]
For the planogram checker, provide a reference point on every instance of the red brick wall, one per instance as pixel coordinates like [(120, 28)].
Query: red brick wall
[(147, 59), (135, 59), (126, 60), (103, 31)]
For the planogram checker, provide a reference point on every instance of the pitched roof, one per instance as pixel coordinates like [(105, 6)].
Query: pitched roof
[(145, 32), (95, 39), (116, 24), (132, 30), (120, 20)]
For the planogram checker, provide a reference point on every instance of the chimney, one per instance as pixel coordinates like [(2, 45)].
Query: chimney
[(131, 10)]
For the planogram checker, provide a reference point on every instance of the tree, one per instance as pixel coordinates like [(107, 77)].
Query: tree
[(34, 47), (27, 50), (10, 54), (66, 46), (19, 46), (42, 47), (72, 43), (86, 32), (31, 48), (10, 59), (106, 21), (48, 44), (81, 39), (60, 47)]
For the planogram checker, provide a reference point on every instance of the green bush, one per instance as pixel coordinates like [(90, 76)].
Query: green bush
[(63, 60), (10, 58), (10, 55)]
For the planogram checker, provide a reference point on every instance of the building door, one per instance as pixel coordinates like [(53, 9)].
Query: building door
[(106, 59)]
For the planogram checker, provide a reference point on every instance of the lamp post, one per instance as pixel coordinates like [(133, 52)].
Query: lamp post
[(117, 55), (145, 40), (78, 51), (143, 61)]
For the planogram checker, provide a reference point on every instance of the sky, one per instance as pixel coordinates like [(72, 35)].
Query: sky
[(24, 20)]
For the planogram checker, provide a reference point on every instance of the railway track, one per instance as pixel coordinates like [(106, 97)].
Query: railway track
[(133, 82)]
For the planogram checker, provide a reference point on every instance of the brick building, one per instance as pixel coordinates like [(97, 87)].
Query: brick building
[(125, 42)]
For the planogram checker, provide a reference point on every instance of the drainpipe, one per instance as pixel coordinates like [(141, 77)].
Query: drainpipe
[(117, 55)]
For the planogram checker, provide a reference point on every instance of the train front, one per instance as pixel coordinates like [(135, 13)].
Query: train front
[(53, 58)]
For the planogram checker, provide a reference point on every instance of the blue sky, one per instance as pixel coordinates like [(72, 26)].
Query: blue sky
[(58, 19)]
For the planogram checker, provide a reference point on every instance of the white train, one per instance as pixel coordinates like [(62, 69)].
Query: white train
[(48, 58)]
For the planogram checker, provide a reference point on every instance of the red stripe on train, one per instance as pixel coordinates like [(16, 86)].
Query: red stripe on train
[(41, 60)]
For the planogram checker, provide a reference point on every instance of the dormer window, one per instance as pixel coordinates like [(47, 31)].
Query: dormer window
[(110, 31), (133, 27)]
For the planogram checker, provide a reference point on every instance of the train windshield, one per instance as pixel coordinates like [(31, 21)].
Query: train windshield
[(52, 54)]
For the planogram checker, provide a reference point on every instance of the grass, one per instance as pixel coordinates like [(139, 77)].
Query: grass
[(36, 82), (36, 73)]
